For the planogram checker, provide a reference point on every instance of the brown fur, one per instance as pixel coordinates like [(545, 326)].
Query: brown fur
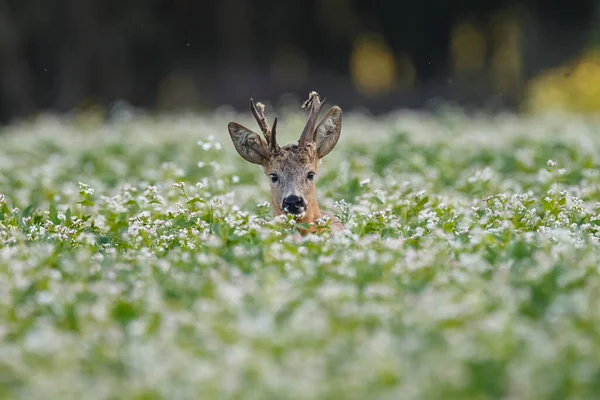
[(291, 163)]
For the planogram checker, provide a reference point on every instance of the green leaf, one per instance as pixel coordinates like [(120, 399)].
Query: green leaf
[(53, 216), (124, 312), (196, 200), (86, 202), (68, 217)]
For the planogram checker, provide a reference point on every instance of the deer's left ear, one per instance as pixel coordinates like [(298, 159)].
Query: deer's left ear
[(328, 131), (248, 144)]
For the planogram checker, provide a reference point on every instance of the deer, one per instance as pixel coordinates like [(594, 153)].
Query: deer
[(292, 169)]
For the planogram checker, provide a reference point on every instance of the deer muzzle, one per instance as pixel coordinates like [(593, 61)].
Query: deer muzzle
[(294, 205)]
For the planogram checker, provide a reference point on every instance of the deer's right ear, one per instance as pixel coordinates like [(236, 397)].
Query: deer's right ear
[(248, 144), (328, 131)]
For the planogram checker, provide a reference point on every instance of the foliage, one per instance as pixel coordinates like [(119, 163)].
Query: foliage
[(139, 260), (574, 87)]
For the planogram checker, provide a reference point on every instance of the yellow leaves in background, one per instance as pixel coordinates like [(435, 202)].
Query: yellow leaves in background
[(467, 48), (375, 70), (506, 62), (492, 54), (488, 53), (372, 65), (574, 88)]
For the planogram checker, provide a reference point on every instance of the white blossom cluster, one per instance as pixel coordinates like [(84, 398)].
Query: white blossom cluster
[(140, 259)]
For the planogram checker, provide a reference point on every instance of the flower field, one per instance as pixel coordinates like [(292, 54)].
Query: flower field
[(139, 259)]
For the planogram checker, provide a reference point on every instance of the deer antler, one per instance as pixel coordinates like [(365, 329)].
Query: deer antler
[(273, 147), (258, 111), (308, 134)]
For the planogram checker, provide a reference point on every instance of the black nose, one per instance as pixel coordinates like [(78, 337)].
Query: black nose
[(293, 204)]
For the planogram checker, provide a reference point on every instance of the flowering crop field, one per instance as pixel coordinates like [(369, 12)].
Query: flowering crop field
[(139, 260)]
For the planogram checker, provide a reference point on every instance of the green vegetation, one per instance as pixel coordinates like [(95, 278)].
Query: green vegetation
[(139, 260)]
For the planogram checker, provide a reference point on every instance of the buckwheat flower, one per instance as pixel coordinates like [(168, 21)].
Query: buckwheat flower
[(365, 182), (551, 163), (323, 220), (44, 297), (201, 164), (85, 189), (280, 218), (179, 185), (235, 179)]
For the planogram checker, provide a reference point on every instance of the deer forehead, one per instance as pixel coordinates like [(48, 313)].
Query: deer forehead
[(293, 158)]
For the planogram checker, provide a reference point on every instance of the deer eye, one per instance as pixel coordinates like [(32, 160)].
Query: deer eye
[(274, 178), (310, 176)]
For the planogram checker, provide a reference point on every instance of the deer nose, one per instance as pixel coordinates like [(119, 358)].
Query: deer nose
[(293, 204)]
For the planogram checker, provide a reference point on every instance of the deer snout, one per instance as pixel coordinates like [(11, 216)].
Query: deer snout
[(294, 205)]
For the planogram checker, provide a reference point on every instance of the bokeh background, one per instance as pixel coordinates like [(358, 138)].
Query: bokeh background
[(168, 55)]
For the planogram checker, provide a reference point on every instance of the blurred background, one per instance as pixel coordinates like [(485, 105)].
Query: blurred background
[(169, 55)]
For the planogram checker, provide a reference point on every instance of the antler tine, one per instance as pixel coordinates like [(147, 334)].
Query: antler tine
[(258, 111), (273, 147), (315, 107)]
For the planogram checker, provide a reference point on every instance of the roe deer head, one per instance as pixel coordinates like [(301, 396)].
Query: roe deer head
[(292, 169)]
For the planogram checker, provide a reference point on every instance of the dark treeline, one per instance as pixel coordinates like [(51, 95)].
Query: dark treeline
[(63, 54)]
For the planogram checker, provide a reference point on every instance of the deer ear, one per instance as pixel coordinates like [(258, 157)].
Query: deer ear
[(248, 144), (328, 131)]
